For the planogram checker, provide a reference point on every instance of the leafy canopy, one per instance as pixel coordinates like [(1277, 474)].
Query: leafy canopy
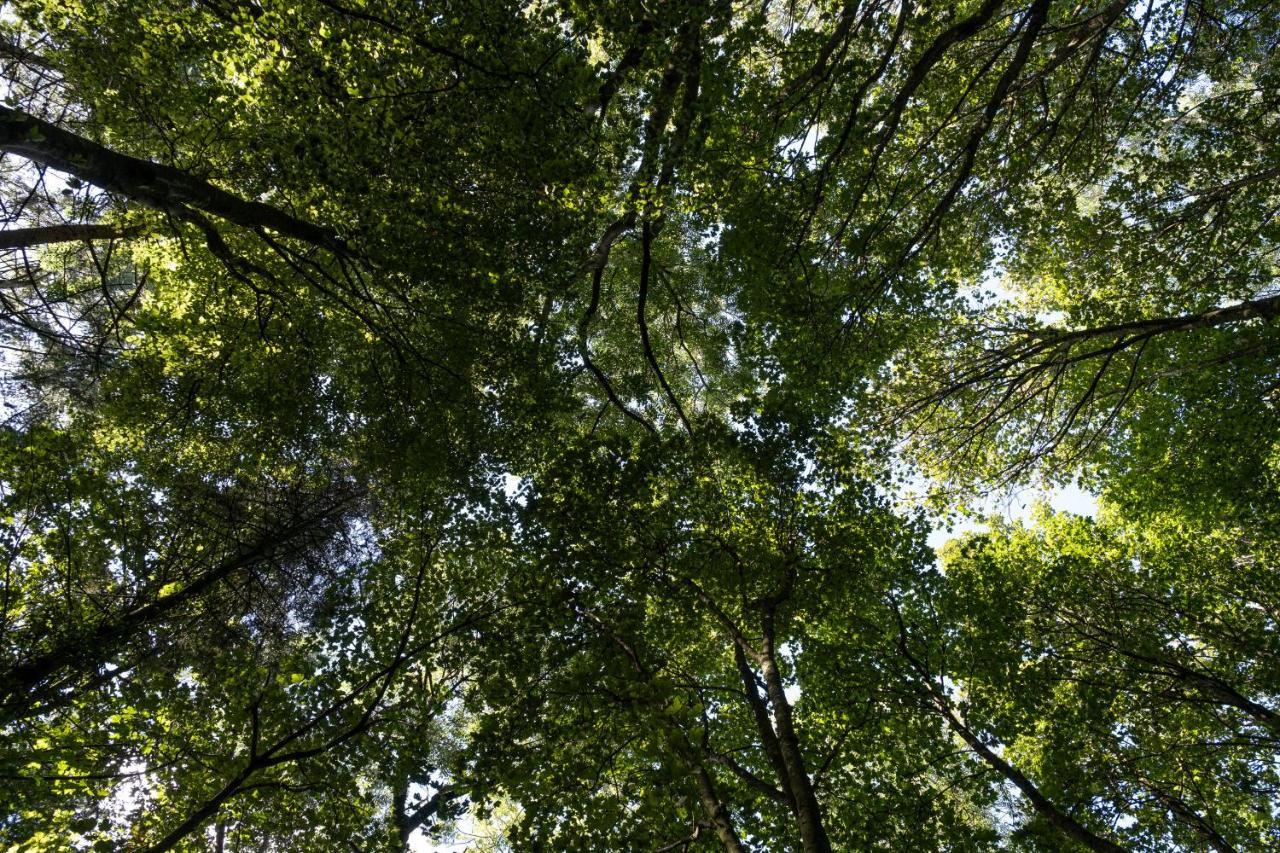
[(496, 420)]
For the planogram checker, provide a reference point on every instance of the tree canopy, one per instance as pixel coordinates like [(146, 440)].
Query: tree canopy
[(521, 425)]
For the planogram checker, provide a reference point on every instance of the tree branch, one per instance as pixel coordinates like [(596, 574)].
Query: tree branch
[(153, 184), (43, 235)]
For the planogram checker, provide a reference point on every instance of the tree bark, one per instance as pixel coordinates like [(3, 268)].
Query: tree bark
[(813, 835), (716, 811), (1228, 695), (1210, 686), (153, 184), (760, 712), (43, 235)]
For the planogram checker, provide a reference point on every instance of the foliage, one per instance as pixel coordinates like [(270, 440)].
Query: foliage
[(427, 418)]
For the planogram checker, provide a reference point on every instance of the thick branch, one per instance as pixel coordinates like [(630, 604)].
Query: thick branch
[(1213, 687), (1061, 820), (752, 780), (715, 810), (88, 650), (1267, 308), (1038, 350), (407, 824), (153, 184), (1195, 821), (43, 235), (630, 60)]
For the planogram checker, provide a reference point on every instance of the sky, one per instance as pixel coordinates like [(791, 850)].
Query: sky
[(1018, 506)]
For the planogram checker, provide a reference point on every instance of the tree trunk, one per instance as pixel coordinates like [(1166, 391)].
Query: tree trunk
[(715, 810), (760, 712), (813, 835)]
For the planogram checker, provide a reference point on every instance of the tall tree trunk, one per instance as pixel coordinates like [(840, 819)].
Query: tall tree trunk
[(716, 811), (813, 834), (760, 712)]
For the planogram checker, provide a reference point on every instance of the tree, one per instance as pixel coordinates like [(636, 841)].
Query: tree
[(497, 409), (1137, 288), (1131, 665), (713, 649)]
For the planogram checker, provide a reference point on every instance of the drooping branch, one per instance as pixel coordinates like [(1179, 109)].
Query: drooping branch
[(659, 154), (646, 266), (598, 263), (1207, 684), (999, 373)]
